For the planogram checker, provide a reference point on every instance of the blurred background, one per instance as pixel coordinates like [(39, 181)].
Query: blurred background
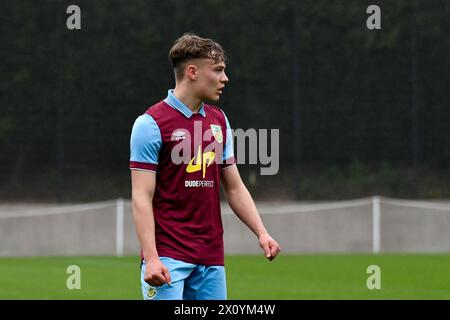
[(360, 111)]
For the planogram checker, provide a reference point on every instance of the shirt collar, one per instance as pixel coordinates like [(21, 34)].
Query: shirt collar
[(173, 101)]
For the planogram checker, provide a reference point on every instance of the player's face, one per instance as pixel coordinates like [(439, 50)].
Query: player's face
[(211, 79)]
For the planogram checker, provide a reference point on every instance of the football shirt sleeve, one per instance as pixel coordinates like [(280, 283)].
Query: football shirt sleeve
[(145, 144), (228, 153)]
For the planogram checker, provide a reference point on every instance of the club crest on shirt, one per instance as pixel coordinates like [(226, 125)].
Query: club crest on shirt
[(178, 135), (151, 292), (217, 132)]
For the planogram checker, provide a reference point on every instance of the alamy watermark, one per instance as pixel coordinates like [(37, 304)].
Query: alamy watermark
[(258, 147), (73, 22), (74, 280), (374, 20), (374, 280)]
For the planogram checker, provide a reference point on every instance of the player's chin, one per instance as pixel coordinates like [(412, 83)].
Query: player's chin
[(214, 98)]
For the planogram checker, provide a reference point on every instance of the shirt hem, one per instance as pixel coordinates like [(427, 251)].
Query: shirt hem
[(193, 261)]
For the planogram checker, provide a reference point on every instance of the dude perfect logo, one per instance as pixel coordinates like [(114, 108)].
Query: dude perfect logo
[(181, 152), (201, 162)]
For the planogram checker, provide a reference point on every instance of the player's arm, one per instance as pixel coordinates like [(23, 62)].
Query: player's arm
[(242, 204), (145, 144), (143, 188)]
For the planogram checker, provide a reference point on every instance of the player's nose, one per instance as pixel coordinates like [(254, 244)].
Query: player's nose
[(224, 78)]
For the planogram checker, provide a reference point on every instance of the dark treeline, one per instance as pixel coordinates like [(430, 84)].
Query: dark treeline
[(338, 92)]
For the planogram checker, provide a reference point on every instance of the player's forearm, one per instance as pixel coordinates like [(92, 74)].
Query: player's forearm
[(145, 225), (242, 204)]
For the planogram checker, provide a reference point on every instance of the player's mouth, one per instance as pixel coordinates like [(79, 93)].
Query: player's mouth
[(220, 90)]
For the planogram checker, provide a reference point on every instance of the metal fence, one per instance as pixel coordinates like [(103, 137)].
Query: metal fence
[(368, 225)]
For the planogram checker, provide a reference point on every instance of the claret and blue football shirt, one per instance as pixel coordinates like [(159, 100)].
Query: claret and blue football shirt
[(187, 151)]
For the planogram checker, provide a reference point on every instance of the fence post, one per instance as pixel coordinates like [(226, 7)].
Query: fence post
[(119, 227), (376, 224)]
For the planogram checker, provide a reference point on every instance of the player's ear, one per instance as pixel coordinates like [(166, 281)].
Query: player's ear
[(192, 72)]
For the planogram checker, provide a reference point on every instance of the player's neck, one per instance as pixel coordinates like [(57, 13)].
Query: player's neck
[(190, 101)]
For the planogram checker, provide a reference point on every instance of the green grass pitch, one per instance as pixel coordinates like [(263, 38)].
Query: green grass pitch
[(288, 277)]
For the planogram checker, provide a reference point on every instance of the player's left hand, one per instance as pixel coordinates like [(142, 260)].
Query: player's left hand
[(271, 247)]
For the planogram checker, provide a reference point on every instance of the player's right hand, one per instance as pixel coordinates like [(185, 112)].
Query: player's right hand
[(156, 273)]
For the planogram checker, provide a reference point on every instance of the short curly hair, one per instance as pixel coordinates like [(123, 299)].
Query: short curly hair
[(190, 46)]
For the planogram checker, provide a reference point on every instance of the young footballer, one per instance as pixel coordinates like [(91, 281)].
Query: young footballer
[(181, 150)]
